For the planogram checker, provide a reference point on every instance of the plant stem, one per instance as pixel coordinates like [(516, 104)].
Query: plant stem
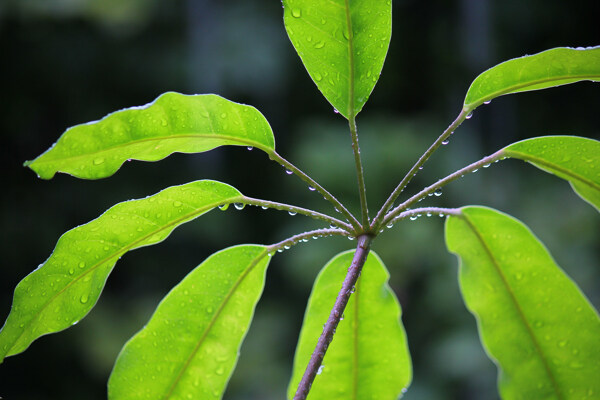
[(312, 183), (303, 237), (359, 173), (442, 182), (360, 256), (297, 210), (415, 168)]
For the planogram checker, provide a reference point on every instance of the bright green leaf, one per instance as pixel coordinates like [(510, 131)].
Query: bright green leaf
[(342, 44), (533, 320), (368, 357), (190, 345), (172, 123), (549, 68), (63, 289), (573, 158)]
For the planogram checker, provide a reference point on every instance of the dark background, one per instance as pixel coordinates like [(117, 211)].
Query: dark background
[(68, 62)]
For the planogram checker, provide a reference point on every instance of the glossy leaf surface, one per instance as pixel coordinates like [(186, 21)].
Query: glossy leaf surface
[(368, 357), (536, 325), (575, 159), (63, 289), (172, 123), (190, 346), (342, 44), (549, 68)]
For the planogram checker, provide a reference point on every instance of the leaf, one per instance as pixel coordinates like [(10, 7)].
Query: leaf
[(190, 346), (554, 67), (368, 357), (172, 123), (61, 291), (573, 158), (533, 320), (343, 45)]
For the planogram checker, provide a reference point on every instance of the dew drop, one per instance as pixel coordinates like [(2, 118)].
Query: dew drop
[(223, 115), (250, 148), (289, 172), (296, 13), (390, 225), (84, 299), (209, 310), (319, 45), (318, 77), (320, 370), (264, 207), (292, 213), (486, 165), (414, 217), (82, 264), (312, 189), (71, 271), (177, 203), (437, 193), (475, 170), (421, 168), (445, 142), (335, 110), (428, 214), (487, 102), (220, 371), (239, 206), (224, 207), (98, 161), (469, 115)]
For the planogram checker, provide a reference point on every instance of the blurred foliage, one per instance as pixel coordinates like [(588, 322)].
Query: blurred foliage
[(66, 62)]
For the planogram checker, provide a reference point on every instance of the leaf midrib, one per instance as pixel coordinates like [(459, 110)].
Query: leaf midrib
[(516, 305)]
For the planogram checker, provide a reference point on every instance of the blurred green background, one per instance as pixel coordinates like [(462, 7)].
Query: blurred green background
[(65, 62)]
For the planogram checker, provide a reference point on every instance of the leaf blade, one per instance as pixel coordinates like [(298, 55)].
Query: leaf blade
[(575, 159), (554, 67), (355, 358), (344, 63), (191, 343), (63, 289), (533, 321), (172, 123)]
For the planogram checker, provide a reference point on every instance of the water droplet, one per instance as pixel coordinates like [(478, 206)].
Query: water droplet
[(177, 203), (224, 207), (428, 214), (390, 225), (289, 172), (292, 213), (84, 299), (264, 207), (353, 289), (318, 77), (486, 165), (312, 189), (421, 168), (82, 264), (519, 276), (475, 170), (437, 193), (250, 148), (469, 115), (209, 310), (320, 370), (296, 13), (335, 110), (562, 343), (445, 142), (239, 206), (319, 45), (98, 161), (442, 215), (413, 217), (223, 115), (220, 371), (71, 271), (487, 102)]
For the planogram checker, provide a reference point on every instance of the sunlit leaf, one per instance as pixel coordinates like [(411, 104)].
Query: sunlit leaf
[(342, 44), (368, 357), (536, 325), (172, 123), (549, 68), (63, 289), (573, 158), (190, 345)]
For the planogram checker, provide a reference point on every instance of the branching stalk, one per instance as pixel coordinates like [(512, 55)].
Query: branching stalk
[(304, 237), (499, 155), (293, 210), (415, 169), (312, 183), (360, 256), (359, 173)]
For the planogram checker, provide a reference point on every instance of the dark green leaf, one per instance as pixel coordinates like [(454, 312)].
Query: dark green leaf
[(190, 345), (368, 357), (63, 289), (172, 123), (343, 45), (573, 158), (533, 320), (549, 68)]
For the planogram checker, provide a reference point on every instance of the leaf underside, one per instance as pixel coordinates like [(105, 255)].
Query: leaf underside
[(343, 45), (573, 158), (554, 67), (190, 346), (63, 289), (172, 123), (534, 322), (368, 357)]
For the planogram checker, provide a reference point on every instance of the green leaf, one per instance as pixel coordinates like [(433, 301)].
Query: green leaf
[(190, 346), (368, 357), (573, 158), (533, 320), (549, 68), (172, 123), (342, 44), (62, 290)]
